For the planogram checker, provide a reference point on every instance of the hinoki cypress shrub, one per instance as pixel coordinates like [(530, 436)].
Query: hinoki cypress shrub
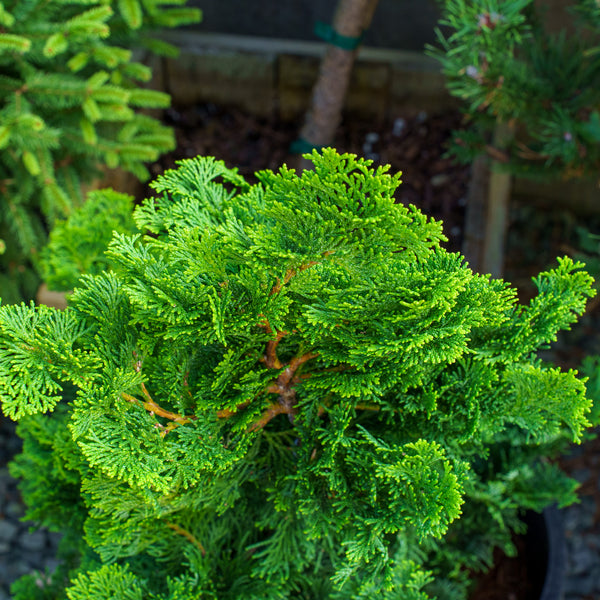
[(77, 245), (287, 390), (72, 103)]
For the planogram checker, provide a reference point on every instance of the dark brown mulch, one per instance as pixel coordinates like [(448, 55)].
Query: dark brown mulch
[(508, 580)]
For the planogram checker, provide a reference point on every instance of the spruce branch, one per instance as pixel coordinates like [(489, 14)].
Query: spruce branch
[(65, 102)]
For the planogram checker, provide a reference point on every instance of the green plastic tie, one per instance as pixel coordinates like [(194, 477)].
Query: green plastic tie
[(301, 146), (327, 33)]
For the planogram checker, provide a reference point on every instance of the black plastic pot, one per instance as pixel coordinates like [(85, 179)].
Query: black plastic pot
[(546, 553)]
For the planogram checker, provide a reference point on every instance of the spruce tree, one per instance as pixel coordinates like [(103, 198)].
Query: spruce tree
[(287, 390), (531, 99), (504, 63), (77, 245), (71, 103)]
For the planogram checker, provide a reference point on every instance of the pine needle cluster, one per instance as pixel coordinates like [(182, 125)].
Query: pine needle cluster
[(287, 390), (71, 102), (502, 61)]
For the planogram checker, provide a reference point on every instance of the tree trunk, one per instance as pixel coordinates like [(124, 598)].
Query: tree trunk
[(351, 18)]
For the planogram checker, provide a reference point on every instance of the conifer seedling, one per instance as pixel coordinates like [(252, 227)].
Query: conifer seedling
[(530, 98), (287, 390)]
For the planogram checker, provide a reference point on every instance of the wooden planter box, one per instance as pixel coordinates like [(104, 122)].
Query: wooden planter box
[(266, 76)]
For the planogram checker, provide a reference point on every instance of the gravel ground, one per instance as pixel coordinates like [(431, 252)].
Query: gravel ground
[(582, 524)]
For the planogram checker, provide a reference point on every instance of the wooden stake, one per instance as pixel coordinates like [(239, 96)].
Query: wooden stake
[(351, 18), (500, 185), (488, 204)]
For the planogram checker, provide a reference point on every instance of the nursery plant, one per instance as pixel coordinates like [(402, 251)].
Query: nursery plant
[(531, 100), (287, 390), (71, 104)]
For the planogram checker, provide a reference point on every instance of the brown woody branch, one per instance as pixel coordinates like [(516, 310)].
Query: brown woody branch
[(155, 409), (226, 412), (497, 154), (277, 408), (529, 154), (492, 151), (277, 287), (270, 358), (287, 377), (284, 383), (283, 386), (186, 534), (292, 272), (373, 407)]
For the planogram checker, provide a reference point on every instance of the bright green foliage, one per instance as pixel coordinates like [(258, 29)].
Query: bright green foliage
[(70, 104), (591, 369), (588, 245), (78, 244), (503, 63), (289, 391)]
